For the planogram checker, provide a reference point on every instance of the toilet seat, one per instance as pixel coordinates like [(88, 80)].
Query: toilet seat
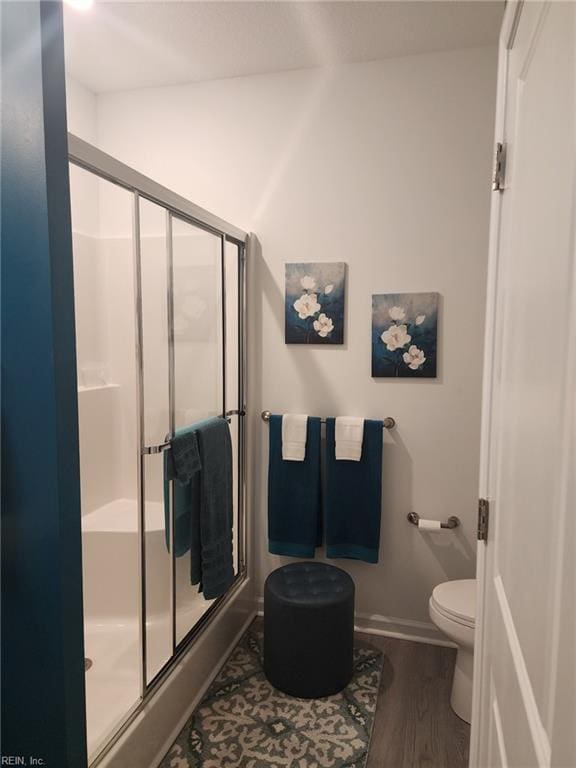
[(456, 601)]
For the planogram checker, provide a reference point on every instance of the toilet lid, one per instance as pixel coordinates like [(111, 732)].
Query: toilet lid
[(457, 599)]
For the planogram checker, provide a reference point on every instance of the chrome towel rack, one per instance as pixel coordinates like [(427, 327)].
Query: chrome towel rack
[(389, 422), (151, 449), (452, 522)]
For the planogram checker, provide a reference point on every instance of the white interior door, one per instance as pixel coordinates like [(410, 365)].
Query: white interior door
[(524, 713)]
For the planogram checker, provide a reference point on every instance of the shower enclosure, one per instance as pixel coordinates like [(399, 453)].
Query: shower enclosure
[(160, 306)]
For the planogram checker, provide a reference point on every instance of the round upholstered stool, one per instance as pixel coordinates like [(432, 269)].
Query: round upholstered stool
[(309, 629)]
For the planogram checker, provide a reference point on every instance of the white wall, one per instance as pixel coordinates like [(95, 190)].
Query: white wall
[(83, 121), (383, 165)]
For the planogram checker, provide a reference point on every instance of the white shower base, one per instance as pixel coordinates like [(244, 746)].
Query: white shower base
[(111, 600), (112, 682)]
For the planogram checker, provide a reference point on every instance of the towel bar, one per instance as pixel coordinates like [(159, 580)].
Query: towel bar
[(389, 422), (452, 522), (155, 448), (148, 449)]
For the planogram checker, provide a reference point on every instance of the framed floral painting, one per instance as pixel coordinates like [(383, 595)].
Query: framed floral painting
[(314, 303), (404, 335)]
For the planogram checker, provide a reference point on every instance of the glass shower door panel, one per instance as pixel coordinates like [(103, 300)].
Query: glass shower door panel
[(104, 294), (235, 435), (231, 281), (198, 366), (154, 282), (232, 354)]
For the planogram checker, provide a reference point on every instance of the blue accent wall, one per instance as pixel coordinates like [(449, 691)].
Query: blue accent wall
[(43, 711)]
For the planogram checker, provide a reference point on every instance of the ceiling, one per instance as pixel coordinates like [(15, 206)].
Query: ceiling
[(116, 46)]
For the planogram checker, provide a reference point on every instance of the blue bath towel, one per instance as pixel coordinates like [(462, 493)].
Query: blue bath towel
[(294, 519), (182, 465), (216, 506), (353, 497)]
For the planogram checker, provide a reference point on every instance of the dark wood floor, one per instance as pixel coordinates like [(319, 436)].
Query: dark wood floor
[(414, 725)]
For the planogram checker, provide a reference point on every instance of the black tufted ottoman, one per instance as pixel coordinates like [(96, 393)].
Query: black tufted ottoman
[(309, 629)]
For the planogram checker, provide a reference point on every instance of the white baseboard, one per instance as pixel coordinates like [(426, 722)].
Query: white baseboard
[(388, 626), (403, 629)]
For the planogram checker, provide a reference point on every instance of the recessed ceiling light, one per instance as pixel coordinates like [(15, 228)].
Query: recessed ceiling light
[(79, 5)]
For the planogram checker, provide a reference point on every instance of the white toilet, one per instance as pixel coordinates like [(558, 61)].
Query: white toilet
[(452, 608)]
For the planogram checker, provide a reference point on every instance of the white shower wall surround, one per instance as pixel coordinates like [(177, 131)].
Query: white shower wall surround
[(385, 166)]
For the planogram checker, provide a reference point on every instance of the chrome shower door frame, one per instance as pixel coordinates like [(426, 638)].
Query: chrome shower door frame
[(104, 166)]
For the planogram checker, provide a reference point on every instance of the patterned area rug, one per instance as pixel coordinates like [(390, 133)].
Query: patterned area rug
[(243, 722)]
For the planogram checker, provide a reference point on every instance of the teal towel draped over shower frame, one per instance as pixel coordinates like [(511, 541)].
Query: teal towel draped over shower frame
[(182, 466), (199, 465)]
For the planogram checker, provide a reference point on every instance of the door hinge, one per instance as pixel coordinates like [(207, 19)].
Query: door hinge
[(498, 181), (483, 517)]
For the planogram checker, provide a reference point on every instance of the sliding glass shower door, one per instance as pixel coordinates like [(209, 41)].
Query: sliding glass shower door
[(104, 292), (198, 365), (172, 310)]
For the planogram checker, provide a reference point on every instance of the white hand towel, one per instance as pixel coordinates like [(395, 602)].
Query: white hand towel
[(294, 427), (349, 436)]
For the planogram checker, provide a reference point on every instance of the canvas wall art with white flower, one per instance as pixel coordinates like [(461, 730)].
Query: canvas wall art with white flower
[(314, 303), (404, 335)]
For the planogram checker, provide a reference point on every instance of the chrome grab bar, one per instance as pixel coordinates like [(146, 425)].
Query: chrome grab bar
[(151, 449), (388, 422)]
